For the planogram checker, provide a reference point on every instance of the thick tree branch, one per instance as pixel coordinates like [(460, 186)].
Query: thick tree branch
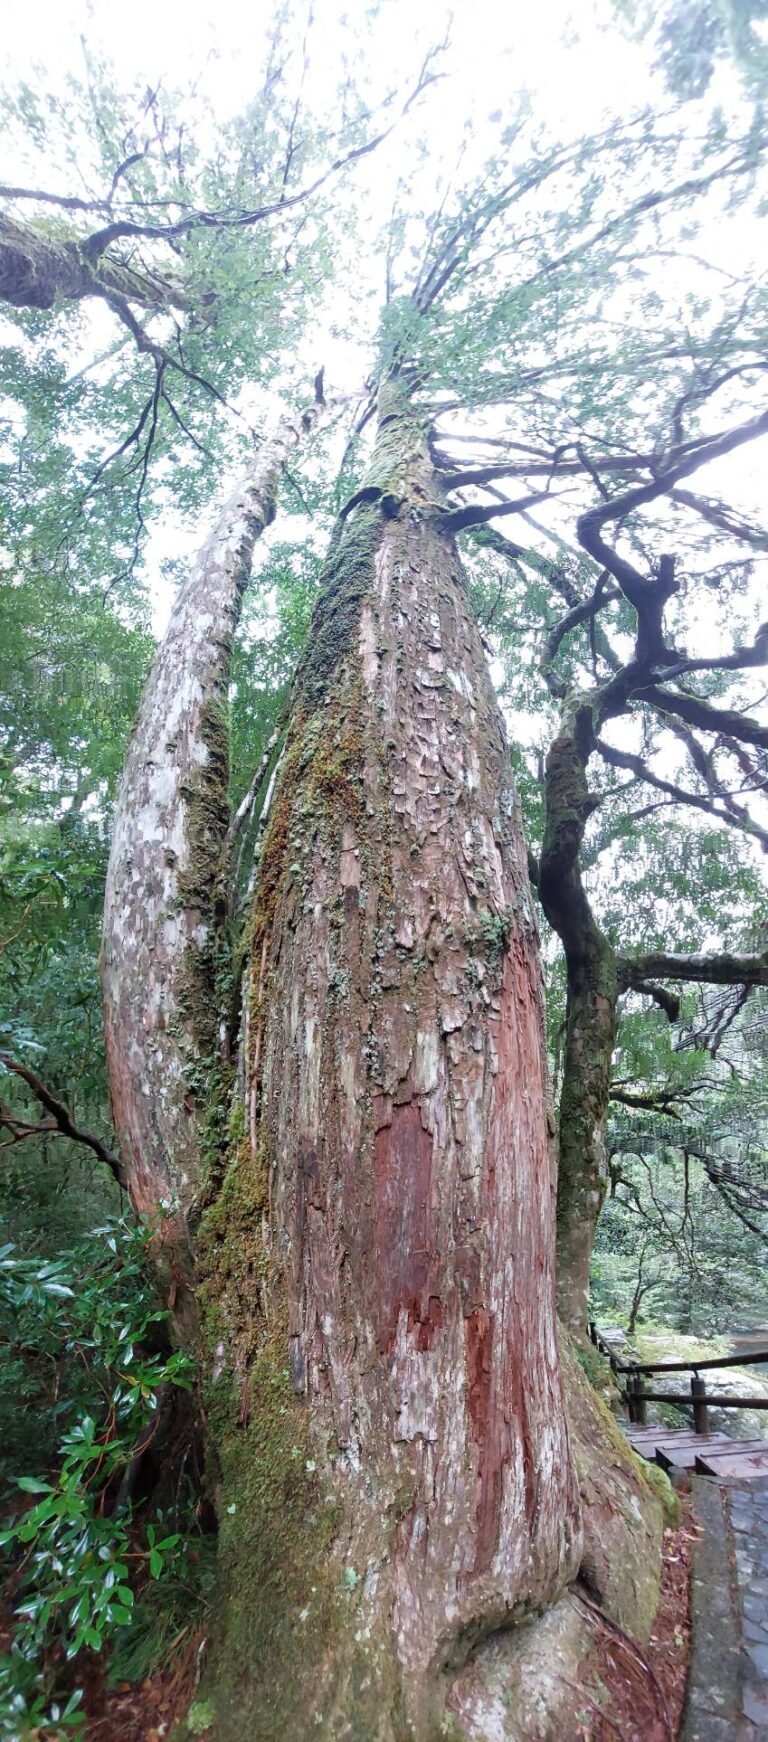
[(164, 904), (475, 514), (700, 713), (661, 1101), (63, 1123), (667, 1001), (648, 593), (37, 271), (711, 970)]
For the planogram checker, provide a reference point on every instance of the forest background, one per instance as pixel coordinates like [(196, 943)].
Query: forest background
[(578, 325)]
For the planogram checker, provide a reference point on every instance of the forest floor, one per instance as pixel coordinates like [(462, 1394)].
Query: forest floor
[(636, 1694), (627, 1692), (141, 1711)]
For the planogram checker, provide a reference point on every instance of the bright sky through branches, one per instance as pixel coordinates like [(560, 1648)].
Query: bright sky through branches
[(576, 67)]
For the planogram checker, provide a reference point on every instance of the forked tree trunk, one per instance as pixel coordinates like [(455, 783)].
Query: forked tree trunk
[(373, 1259), (389, 1223)]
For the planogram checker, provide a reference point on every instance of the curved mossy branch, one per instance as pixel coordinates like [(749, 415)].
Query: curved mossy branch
[(164, 904), (37, 271), (591, 1005)]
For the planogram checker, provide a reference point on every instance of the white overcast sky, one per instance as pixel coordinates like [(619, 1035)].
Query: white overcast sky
[(555, 47)]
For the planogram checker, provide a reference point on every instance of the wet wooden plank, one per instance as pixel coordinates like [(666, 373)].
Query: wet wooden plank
[(733, 1464), (685, 1457)]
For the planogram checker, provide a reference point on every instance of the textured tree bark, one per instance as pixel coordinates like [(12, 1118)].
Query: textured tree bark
[(370, 1254), (388, 1222), (163, 902), (582, 1163)]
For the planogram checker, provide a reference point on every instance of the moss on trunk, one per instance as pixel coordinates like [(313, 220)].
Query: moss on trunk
[(376, 1265)]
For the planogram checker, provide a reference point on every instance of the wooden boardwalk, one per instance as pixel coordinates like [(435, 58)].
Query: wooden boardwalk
[(707, 1454)]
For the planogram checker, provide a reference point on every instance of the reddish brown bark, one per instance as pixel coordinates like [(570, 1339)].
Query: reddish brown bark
[(399, 1119), (374, 1263)]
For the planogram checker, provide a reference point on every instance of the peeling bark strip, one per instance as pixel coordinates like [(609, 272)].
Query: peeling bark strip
[(400, 1138), (160, 913)]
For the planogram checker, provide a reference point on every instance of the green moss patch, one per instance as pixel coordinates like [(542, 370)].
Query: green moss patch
[(278, 1600)]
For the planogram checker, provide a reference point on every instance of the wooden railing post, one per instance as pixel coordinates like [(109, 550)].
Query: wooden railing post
[(641, 1407), (700, 1410), (592, 1328)]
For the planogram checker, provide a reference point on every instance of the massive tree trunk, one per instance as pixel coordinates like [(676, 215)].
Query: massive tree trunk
[(374, 1256), (393, 1206)]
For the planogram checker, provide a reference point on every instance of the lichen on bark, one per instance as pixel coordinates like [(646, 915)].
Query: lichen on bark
[(373, 1245), (163, 911)]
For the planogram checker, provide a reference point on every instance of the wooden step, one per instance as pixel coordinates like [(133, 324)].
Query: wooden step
[(733, 1463), (686, 1450), (683, 1453), (663, 1436), (726, 1440)]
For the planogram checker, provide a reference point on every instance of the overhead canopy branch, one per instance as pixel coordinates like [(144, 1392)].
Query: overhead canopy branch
[(713, 806), (648, 593), (700, 713), (720, 969), (37, 270)]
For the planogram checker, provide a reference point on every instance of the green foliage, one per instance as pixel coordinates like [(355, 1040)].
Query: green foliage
[(91, 1337), (27, 1711), (693, 38), (669, 1242), (200, 1717), (556, 296), (167, 1608)]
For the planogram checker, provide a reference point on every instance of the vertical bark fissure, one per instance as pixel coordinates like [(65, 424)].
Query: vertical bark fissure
[(398, 1174)]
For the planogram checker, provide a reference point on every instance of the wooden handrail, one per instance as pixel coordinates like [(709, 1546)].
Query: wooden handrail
[(711, 1398), (636, 1397), (691, 1366)]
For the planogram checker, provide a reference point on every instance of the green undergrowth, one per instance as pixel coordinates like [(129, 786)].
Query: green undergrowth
[(166, 1611), (83, 1537)]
